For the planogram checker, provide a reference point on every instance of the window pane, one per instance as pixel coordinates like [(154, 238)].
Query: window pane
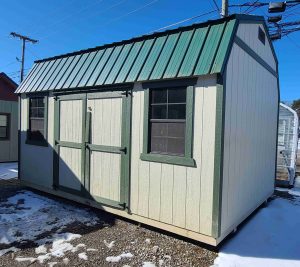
[(41, 113), (159, 96), (37, 124), (176, 111), (3, 132), (176, 129), (159, 112), (34, 112), (3, 120), (37, 109), (177, 95), (159, 129), (158, 145), (176, 146)]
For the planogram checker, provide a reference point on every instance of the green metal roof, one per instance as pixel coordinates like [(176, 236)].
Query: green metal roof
[(195, 50)]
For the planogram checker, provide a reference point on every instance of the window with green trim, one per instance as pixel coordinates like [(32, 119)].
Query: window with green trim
[(37, 122), (167, 120), (168, 124)]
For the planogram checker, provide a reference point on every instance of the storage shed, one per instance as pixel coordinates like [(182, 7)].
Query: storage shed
[(287, 145), (175, 129), (8, 119)]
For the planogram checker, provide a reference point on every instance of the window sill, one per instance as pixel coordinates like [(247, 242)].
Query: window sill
[(36, 143), (175, 160)]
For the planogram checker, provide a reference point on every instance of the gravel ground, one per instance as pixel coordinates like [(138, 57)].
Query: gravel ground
[(145, 244)]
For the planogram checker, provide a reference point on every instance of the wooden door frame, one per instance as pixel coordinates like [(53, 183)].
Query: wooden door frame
[(86, 146)]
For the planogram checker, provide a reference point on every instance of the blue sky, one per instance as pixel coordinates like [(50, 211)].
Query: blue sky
[(65, 26)]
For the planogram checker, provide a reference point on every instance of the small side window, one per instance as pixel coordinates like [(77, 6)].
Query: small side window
[(4, 126), (37, 122), (261, 35)]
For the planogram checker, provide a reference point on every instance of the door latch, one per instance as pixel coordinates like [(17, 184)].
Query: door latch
[(124, 150)]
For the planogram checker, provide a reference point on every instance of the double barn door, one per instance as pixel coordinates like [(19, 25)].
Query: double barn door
[(92, 135)]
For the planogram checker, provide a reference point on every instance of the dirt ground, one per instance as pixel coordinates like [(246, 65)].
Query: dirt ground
[(145, 244)]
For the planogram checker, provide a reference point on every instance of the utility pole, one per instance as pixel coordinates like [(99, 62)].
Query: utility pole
[(24, 39), (224, 12)]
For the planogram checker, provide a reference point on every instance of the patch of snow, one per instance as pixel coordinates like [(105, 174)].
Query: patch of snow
[(66, 261), (148, 264), (4, 251), (118, 258), (51, 264), (41, 249), (161, 262), (294, 191), (24, 259), (8, 170), (109, 245), (148, 240), (270, 238), (27, 215), (92, 249), (83, 256)]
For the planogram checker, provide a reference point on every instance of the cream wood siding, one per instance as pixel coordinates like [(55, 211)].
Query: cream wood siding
[(249, 34), (106, 127), (250, 137), (177, 195), (37, 161), (9, 148)]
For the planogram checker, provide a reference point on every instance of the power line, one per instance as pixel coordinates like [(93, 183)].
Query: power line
[(183, 21), (216, 5)]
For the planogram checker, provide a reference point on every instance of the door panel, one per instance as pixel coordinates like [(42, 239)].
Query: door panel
[(69, 169), (106, 137), (70, 121)]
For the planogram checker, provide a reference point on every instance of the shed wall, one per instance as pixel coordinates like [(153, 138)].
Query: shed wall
[(249, 34), (250, 137), (177, 195), (36, 161), (9, 148)]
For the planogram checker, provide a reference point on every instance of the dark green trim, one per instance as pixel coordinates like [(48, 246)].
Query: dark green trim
[(254, 55), (44, 142), (175, 160), (125, 157), (71, 191), (87, 152), (69, 144), (56, 147), (218, 157), (170, 83), (187, 159), (107, 149), (72, 97), (108, 202), (83, 145)]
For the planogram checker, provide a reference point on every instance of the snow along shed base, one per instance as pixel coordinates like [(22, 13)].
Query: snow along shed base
[(176, 129)]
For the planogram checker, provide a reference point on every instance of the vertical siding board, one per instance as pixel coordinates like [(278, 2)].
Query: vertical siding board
[(166, 193), (179, 196), (208, 147), (193, 195), (135, 148), (154, 190)]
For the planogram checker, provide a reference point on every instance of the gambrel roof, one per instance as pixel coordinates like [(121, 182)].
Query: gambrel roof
[(190, 51)]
